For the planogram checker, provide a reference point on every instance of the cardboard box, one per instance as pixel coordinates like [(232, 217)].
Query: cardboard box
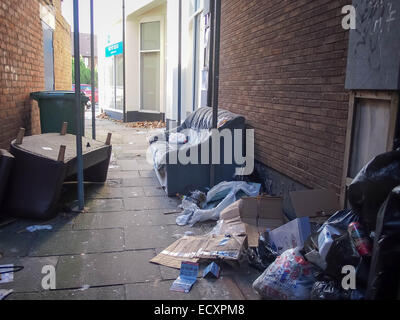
[(291, 235), (316, 203), (257, 214)]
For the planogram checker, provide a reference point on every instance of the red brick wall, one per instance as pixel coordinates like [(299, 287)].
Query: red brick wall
[(283, 65), (21, 67)]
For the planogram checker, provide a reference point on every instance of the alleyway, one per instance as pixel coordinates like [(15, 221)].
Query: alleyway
[(105, 253)]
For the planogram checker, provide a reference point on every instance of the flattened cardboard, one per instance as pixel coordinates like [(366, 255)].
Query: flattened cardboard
[(192, 249), (314, 203)]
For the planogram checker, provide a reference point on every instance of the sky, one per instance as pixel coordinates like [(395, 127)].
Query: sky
[(104, 10)]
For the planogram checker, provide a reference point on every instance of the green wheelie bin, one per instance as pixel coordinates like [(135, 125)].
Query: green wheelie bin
[(57, 107)]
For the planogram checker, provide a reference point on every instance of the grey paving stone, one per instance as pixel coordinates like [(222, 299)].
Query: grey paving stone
[(128, 165), (154, 191), (123, 174), (140, 182), (104, 293), (77, 242), (150, 203), (147, 174), (203, 289), (13, 244), (102, 205), (107, 192), (123, 220), (106, 269), (30, 278), (145, 237), (103, 192)]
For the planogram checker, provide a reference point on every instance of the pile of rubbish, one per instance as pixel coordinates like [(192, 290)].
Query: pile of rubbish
[(325, 253)]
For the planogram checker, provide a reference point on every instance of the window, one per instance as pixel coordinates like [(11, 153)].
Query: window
[(150, 45)]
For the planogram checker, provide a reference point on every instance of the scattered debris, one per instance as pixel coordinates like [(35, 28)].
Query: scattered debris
[(139, 125), (39, 228), (212, 269), (218, 198), (4, 293), (187, 277), (7, 273), (85, 287)]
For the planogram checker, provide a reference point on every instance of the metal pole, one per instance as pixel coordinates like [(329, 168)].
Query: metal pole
[(93, 71), (124, 59), (180, 66), (217, 26), (79, 119), (211, 56), (195, 56)]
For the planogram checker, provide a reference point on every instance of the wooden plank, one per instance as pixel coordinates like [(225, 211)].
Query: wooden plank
[(371, 94), (393, 120), (349, 135)]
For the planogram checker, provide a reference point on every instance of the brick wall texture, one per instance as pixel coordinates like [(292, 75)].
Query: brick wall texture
[(283, 66), (62, 51), (22, 65)]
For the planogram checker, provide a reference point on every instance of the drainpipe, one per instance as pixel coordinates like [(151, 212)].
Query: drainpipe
[(211, 57), (79, 120), (93, 73), (124, 59), (180, 65), (215, 84)]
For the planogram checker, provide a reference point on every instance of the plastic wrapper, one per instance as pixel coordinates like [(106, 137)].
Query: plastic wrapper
[(262, 256), (289, 277), (332, 290), (218, 198), (373, 184)]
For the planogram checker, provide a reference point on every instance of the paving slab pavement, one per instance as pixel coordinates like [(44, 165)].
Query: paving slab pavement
[(104, 254)]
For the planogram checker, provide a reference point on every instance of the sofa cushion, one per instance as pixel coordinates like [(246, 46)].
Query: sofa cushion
[(202, 119)]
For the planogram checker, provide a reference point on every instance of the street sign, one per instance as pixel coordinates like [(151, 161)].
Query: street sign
[(114, 49)]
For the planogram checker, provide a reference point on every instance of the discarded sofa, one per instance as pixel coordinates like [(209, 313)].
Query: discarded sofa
[(42, 164), (6, 162), (194, 139)]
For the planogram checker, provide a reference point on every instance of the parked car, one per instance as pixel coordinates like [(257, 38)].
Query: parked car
[(87, 90)]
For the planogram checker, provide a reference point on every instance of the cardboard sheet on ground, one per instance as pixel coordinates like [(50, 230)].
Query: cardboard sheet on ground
[(192, 249)]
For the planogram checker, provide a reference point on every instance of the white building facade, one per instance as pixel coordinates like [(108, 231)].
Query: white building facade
[(151, 60)]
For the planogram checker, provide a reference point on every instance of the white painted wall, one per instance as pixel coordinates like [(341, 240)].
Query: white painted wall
[(133, 55), (165, 11)]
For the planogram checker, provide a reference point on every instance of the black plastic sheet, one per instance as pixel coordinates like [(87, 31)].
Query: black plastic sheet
[(372, 185)]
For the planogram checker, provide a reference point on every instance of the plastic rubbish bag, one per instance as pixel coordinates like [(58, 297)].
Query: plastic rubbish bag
[(225, 193), (332, 290), (341, 220), (319, 244), (384, 277), (373, 184), (290, 277), (262, 256)]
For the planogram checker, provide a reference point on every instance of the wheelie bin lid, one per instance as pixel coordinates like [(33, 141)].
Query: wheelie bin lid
[(70, 95)]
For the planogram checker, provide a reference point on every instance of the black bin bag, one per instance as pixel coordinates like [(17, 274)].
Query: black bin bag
[(384, 276), (372, 185)]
